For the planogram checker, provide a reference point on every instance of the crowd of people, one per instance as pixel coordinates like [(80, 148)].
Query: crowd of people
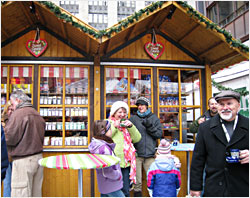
[(220, 163)]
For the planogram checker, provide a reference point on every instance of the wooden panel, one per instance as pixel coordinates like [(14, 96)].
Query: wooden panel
[(55, 48), (136, 50)]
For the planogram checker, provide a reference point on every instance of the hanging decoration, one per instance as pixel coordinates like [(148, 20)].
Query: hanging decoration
[(221, 88), (154, 48), (36, 46)]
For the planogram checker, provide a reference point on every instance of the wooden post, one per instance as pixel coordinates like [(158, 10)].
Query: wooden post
[(208, 81), (97, 87)]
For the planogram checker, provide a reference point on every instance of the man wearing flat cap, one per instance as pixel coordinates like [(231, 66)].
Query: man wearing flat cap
[(222, 148), (150, 128)]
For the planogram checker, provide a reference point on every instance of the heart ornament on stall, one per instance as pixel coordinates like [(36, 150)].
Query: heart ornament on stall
[(36, 47), (154, 50)]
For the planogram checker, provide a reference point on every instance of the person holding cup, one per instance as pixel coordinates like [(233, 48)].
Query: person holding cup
[(124, 134), (222, 148)]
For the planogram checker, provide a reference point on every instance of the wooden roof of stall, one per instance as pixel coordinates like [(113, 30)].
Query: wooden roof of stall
[(171, 20)]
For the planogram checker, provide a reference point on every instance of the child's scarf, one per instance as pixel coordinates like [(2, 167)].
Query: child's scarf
[(129, 151)]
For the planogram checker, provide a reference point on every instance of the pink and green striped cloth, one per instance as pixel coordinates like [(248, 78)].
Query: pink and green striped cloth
[(79, 161)]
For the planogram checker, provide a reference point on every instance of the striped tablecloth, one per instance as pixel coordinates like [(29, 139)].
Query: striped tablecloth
[(79, 161)]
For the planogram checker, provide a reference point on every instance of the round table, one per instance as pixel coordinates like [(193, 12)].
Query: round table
[(79, 162)]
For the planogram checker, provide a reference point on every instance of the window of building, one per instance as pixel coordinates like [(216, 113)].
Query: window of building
[(223, 12)]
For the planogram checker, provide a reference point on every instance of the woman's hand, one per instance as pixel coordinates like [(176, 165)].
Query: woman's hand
[(127, 123)]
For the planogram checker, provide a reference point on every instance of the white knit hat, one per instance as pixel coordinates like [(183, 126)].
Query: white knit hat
[(117, 105)]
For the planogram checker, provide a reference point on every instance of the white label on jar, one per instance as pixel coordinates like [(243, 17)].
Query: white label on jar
[(54, 100), (79, 100), (49, 126), (71, 127), (59, 100), (67, 111), (83, 100), (86, 101), (54, 126), (76, 111), (41, 99), (53, 112), (60, 112), (45, 101), (49, 100), (80, 112), (74, 100), (75, 125), (49, 112), (67, 125), (78, 125), (45, 112), (41, 112)]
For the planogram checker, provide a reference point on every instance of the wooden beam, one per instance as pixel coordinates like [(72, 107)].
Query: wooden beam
[(64, 32), (130, 31), (178, 45), (234, 53), (5, 33), (210, 48), (208, 74), (40, 15), (188, 33), (27, 15)]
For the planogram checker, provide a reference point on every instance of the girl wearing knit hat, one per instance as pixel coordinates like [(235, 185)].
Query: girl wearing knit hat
[(124, 134), (109, 179), (163, 176)]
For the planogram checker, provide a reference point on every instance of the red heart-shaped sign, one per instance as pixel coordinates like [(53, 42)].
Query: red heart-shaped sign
[(37, 47), (154, 50)]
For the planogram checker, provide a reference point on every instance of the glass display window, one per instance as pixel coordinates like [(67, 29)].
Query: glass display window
[(179, 98), (21, 79), (169, 117), (190, 87), (64, 105), (127, 84)]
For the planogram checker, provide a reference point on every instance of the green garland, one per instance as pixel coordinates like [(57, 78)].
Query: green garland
[(135, 17), (213, 26), (221, 88), (107, 32)]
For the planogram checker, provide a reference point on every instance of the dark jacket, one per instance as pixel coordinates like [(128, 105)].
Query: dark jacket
[(195, 125), (211, 149), (150, 128), (24, 133), (4, 155)]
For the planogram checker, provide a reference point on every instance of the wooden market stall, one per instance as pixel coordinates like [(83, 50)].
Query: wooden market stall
[(165, 52)]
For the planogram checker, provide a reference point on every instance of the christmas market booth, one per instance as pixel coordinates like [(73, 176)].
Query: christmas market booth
[(166, 52)]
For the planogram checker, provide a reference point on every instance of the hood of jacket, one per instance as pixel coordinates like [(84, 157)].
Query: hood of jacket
[(164, 163), (96, 144)]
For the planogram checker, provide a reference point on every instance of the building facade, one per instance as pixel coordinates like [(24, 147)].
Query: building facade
[(102, 14), (234, 17)]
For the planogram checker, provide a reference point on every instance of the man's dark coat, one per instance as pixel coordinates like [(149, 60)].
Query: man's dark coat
[(211, 149)]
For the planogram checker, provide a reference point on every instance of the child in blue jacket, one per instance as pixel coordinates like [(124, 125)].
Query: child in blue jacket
[(163, 176), (109, 179)]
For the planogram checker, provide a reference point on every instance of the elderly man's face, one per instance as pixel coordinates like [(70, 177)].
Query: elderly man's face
[(228, 108), (14, 103)]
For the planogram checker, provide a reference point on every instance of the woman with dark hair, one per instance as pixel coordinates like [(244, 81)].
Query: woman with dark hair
[(109, 179)]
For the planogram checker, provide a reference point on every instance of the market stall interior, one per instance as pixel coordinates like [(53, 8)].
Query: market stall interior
[(166, 52)]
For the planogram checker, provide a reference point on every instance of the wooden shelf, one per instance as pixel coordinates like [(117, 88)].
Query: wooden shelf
[(120, 93), (51, 94)]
